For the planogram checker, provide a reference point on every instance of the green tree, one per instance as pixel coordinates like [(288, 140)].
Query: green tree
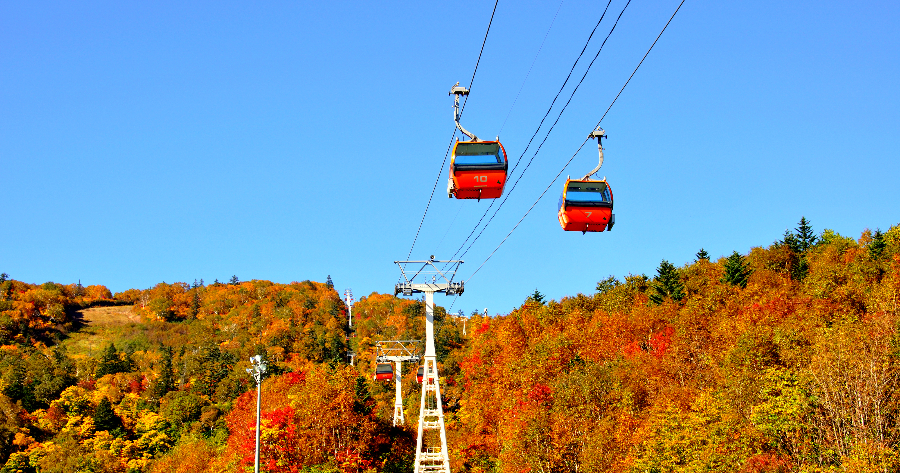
[(105, 417), (702, 255), (736, 272), (536, 297), (166, 380), (805, 236), (329, 282), (111, 362), (877, 245), (234, 280), (667, 284)]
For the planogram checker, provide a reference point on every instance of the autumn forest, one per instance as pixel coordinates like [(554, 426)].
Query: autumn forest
[(779, 358)]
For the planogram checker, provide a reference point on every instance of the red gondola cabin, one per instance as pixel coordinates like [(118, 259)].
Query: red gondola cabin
[(586, 206), (477, 170), (420, 374), (384, 372)]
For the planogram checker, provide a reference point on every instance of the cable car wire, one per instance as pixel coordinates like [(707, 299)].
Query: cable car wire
[(547, 135), (538, 129), (538, 53), (579, 148), (441, 170)]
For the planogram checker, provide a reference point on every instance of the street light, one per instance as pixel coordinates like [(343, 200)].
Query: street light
[(257, 369)]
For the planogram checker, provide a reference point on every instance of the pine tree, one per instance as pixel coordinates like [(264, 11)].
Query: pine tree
[(110, 362), (805, 236), (195, 303), (166, 380), (329, 282), (234, 281), (536, 297), (666, 284), (702, 255), (736, 273), (791, 242), (105, 417), (877, 245)]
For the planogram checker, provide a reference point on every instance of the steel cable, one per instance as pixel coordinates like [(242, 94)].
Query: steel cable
[(447, 153), (572, 95), (579, 148), (536, 131)]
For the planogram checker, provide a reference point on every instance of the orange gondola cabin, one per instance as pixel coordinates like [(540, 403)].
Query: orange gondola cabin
[(586, 206), (420, 374), (477, 170), (384, 372)]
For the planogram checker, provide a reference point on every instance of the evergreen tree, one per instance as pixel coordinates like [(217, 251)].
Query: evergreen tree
[(195, 303), (166, 380), (105, 417), (736, 273), (805, 236), (4, 277), (666, 284), (702, 255), (876, 246), (329, 282), (791, 242), (536, 297), (798, 244), (234, 280), (110, 362)]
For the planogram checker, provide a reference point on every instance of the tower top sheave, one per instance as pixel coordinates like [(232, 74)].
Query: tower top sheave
[(416, 275)]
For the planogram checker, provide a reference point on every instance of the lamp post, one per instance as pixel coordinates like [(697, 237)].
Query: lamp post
[(257, 369)]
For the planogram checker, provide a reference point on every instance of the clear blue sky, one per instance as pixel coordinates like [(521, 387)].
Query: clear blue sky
[(162, 141)]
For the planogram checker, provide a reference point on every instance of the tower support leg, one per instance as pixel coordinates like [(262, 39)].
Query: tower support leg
[(399, 418), (431, 454)]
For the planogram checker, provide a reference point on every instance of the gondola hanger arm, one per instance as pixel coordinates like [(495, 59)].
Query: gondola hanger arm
[(458, 90), (599, 133)]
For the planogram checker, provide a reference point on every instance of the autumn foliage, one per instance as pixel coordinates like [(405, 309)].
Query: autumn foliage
[(780, 359)]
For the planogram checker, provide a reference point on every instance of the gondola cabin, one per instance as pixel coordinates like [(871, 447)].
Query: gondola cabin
[(586, 206), (477, 170), (420, 374), (384, 372)]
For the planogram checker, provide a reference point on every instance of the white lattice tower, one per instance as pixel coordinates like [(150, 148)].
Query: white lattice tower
[(431, 444), (398, 351), (399, 418), (432, 455), (348, 298)]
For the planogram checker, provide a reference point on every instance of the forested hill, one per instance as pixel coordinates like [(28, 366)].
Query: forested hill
[(784, 358)]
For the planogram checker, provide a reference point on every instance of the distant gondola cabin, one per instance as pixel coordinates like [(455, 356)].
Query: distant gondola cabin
[(420, 374), (477, 170), (586, 206), (384, 372)]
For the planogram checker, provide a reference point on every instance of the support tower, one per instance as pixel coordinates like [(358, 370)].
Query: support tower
[(431, 443), (398, 351)]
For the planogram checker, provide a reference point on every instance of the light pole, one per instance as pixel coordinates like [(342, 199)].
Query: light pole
[(257, 369)]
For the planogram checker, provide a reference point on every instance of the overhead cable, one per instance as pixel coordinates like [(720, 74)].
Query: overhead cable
[(550, 130), (536, 131), (441, 170), (538, 53), (579, 148)]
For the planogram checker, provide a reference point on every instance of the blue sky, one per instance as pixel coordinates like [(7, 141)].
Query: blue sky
[(148, 142)]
